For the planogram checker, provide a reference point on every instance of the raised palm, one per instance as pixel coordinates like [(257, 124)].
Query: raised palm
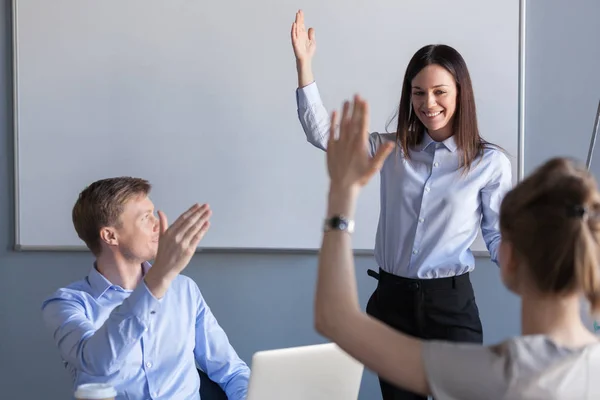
[(303, 41), (348, 161)]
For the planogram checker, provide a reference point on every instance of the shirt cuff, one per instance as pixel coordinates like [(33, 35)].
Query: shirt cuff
[(238, 389), (308, 95), (141, 303)]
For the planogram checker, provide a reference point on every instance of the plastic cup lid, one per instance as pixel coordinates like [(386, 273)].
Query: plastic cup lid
[(95, 391)]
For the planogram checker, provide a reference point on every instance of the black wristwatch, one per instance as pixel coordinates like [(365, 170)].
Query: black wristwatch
[(339, 223)]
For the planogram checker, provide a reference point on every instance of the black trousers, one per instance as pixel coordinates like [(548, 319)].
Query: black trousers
[(441, 308)]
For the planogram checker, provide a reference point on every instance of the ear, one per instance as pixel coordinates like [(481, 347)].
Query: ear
[(512, 262), (109, 236), (510, 266)]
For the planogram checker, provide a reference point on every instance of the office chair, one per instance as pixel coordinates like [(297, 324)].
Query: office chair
[(209, 390)]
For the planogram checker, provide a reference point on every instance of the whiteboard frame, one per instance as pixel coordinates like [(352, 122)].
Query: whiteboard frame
[(19, 247)]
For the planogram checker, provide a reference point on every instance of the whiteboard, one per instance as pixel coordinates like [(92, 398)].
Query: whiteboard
[(199, 98)]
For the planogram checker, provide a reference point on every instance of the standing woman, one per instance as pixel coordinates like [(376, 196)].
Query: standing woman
[(444, 183)]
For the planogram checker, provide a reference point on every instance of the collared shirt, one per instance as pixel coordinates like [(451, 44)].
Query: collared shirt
[(430, 211), (147, 348)]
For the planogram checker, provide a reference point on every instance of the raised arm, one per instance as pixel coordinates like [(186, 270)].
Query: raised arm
[(101, 350), (312, 113), (305, 45), (392, 355)]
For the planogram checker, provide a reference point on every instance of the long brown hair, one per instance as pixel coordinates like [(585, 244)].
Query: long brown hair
[(410, 129), (552, 220)]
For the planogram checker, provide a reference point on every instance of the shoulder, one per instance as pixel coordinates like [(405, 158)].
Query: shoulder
[(494, 166), (469, 356), (477, 363), (66, 303), (379, 137), (376, 139), (496, 157), (76, 292)]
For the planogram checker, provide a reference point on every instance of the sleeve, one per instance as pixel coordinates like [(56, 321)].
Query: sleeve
[(463, 371), (316, 121), (491, 198), (100, 351), (216, 356)]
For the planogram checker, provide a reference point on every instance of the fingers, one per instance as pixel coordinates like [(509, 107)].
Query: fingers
[(197, 226), (200, 234), (360, 120), (332, 127), (191, 221), (183, 217), (295, 26), (299, 22), (345, 121), (162, 223), (377, 161), (311, 34), (357, 115), (353, 122)]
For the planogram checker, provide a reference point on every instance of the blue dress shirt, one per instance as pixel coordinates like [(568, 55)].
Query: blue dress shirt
[(430, 211), (147, 348)]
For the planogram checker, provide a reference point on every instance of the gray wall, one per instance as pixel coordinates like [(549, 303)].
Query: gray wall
[(562, 79), (265, 301)]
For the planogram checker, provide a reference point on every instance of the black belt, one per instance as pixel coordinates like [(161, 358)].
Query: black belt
[(385, 278)]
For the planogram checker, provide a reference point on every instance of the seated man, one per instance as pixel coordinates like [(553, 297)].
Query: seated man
[(139, 327)]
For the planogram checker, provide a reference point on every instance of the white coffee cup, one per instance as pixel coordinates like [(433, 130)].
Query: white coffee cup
[(95, 391)]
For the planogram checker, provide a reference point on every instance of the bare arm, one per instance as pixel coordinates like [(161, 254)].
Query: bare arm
[(305, 45), (392, 355)]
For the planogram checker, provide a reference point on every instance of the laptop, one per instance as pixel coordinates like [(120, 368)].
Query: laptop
[(315, 372)]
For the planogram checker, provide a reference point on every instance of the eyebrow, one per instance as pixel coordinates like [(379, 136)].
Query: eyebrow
[(436, 86), (144, 212)]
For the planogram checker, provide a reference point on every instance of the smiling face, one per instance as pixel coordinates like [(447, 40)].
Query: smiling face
[(433, 98)]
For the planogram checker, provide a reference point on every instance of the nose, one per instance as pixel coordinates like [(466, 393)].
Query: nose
[(430, 100), (156, 224)]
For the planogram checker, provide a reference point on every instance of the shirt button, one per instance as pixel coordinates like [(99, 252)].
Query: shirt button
[(149, 365), (154, 394), (421, 220), (415, 251), (427, 189), (436, 164)]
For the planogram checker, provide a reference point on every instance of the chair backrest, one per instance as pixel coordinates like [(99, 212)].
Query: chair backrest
[(317, 372), (210, 390)]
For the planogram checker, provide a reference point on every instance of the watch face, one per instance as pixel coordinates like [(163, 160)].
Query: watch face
[(338, 223)]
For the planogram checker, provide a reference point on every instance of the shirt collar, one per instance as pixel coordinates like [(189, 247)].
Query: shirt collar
[(100, 284), (449, 143)]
